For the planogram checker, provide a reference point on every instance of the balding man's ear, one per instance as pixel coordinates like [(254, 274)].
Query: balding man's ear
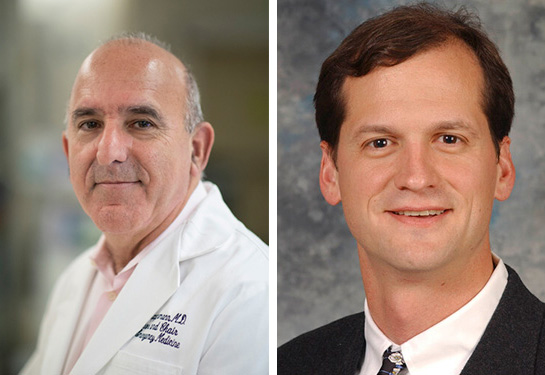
[(65, 144), (202, 140)]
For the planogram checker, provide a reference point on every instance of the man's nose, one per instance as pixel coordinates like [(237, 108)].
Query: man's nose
[(416, 169), (114, 145)]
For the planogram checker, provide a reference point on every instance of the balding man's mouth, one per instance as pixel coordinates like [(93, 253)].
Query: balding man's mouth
[(109, 182), (115, 183)]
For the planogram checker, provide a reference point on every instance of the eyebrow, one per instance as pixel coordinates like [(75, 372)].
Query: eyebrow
[(436, 127), (145, 110), (378, 129), (83, 112), (455, 125), (136, 109)]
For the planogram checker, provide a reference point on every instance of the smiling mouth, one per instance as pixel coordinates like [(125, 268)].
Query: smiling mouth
[(115, 182), (425, 213)]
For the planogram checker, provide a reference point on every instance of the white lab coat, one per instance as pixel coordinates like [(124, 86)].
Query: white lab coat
[(196, 304)]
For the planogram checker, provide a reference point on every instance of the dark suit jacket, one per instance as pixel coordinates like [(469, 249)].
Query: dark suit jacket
[(512, 344)]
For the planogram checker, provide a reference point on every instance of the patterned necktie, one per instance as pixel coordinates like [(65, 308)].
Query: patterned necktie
[(392, 363)]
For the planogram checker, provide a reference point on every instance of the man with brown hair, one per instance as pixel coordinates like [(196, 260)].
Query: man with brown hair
[(414, 110)]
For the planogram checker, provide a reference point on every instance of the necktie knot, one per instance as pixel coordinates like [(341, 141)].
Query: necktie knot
[(392, 363)]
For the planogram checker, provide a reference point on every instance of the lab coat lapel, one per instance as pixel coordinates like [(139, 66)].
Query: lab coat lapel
[(153, 282), (66, 317)]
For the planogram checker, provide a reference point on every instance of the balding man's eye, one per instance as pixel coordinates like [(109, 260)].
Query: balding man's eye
[(143, 124), (89, 125)]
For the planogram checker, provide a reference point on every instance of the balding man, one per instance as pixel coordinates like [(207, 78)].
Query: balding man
[(176, 284)]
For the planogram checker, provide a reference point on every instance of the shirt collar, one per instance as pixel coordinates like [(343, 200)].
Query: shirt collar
[(446, 346), (101, 258)]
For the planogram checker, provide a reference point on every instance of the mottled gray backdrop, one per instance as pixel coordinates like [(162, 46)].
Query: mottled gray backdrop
[(318, 273)]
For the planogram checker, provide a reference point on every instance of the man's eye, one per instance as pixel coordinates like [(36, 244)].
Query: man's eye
[(450, 139), (380, 143), (143, 124), (89, 125)]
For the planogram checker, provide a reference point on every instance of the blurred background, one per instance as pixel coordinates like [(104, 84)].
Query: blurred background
[(319, 278), (43, 43)]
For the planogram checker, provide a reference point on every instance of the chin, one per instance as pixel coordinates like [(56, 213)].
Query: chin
[(415, 257), (112, 220), (422, 259)]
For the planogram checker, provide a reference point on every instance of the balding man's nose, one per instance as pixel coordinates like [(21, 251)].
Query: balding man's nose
[(114, 145)]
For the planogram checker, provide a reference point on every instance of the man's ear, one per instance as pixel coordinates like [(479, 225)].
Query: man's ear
[(506, 171), (329, 176), (65, 144), (202, 140)]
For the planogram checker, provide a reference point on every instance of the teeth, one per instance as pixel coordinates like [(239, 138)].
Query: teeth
[(420, 213)]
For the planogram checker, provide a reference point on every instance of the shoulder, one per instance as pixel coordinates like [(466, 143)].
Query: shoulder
[(213, 220), (520, 311), (517, 295), (218, 253), (520, 316), (334, 348), (515, 336), (212, 231), (241, 235), (223, 286)]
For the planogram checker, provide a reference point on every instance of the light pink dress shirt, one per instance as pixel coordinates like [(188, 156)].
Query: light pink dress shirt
[(106, 285)]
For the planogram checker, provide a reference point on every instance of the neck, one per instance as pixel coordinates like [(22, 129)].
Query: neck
[(404, 304), (125, 246)]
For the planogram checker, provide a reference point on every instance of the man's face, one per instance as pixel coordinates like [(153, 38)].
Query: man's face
[(126, 144), (416, 168)]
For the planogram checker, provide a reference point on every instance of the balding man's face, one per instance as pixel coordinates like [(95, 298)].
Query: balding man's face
[(127, 148)]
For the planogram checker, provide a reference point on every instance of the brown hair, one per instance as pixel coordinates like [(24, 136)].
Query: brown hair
[(396, 36)]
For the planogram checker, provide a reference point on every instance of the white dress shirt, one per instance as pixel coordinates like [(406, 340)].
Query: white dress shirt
[(446, 347)]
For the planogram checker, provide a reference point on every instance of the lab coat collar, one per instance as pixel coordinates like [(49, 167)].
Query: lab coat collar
[(157, 278), (197, 238)]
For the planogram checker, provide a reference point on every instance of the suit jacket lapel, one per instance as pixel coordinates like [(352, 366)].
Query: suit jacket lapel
[(153, 282), (510, 341)]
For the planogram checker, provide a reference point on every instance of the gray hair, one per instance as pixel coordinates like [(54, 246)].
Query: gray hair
[(193, 111)]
